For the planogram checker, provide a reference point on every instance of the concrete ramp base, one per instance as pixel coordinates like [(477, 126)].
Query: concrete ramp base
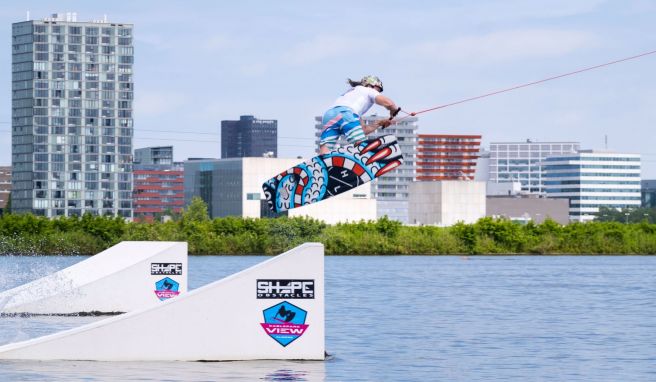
[(273, 310), (125, 277)]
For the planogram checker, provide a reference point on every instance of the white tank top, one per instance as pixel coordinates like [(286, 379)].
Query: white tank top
[(359, 99)]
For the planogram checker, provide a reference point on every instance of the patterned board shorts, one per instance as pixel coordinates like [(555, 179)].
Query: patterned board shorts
[(338, 121)]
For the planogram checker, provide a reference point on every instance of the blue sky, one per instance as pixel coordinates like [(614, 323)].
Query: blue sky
[(198, 62)]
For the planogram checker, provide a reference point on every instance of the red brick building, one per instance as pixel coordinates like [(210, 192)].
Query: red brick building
[(157, 191), (447, 157), (5, 186)]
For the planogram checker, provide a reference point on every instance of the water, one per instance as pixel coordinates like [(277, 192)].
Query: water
[(536, 318)]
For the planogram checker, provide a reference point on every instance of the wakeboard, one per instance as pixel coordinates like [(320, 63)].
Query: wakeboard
[(331, 174)]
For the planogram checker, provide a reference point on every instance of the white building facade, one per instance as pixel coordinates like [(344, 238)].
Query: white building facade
[(446, 202), (521, 162), (593, 179)]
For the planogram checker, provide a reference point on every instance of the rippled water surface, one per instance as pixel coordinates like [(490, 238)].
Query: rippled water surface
[(534, 318)]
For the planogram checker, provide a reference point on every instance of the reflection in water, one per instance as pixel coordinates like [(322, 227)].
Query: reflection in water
[(163, 371)]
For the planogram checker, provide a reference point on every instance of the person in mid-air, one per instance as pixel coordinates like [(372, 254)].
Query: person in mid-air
[(344, 116)]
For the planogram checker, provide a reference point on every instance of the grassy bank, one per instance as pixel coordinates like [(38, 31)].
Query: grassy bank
[(27, 234)]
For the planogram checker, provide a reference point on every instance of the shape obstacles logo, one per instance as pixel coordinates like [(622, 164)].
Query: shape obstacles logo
[(284, 322), (284, 289), (165, 268), (166, 288)]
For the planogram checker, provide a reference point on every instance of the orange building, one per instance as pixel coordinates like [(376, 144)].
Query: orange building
[(157, 191), (447, 157)]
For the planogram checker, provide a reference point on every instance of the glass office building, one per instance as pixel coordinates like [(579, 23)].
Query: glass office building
[(593, 179), (249, 137), (649, 193), (72, 127), (522, 162)]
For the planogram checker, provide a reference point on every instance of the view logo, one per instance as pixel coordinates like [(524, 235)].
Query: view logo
[(166, 288), (284, 322)]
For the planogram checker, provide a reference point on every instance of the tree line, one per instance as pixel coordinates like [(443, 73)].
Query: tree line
[(88, 234)]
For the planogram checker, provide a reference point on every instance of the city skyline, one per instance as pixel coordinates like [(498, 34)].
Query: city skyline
[(287, 62)]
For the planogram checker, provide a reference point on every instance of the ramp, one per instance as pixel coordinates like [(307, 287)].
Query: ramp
[(273, 310), (125, 277)]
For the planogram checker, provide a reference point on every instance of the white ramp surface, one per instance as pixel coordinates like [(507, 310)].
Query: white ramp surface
[(273, 310), (123, 278)]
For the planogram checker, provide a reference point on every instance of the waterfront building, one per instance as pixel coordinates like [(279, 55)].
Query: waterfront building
[(72, 127), (158, 191), (391, 190), (649, 193), (158, 155), (249, 137), (5, 186), (592, 179), (482, 170), (521, 161), (158, 183), (446, 202), (525, 208), (447, 157), (233, 187)]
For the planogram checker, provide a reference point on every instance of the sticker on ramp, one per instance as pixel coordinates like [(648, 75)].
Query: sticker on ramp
[(284, 322), (166, 288)]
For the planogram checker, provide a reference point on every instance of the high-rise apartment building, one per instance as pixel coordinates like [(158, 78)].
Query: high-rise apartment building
[(593, 179), (447, 157), (249, 137), (72, 92), (521, 161), (391, 190)]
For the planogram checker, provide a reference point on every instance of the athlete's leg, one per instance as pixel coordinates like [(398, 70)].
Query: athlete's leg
[(328, 141), (332, 123), (352, 128)]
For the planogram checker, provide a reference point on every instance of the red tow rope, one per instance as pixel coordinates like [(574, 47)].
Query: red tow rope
[(525, 85)]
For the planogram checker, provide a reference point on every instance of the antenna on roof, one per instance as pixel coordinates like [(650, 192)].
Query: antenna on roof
[(606, 142), (28, 16)]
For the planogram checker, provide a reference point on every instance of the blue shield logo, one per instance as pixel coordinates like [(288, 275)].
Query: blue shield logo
[(284, 322), (166, 288)]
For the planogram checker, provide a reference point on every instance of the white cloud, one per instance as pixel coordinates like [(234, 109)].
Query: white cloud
[(326, 47), (534, 9), (217, 43), (503, 46), (254, 70)]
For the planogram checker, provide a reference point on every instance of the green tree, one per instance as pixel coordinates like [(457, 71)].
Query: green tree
[(196, 212), (626, 215), (7, 209)]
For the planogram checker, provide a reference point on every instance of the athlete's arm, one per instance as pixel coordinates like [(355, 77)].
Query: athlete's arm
[(368, 129), (387, 103)]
